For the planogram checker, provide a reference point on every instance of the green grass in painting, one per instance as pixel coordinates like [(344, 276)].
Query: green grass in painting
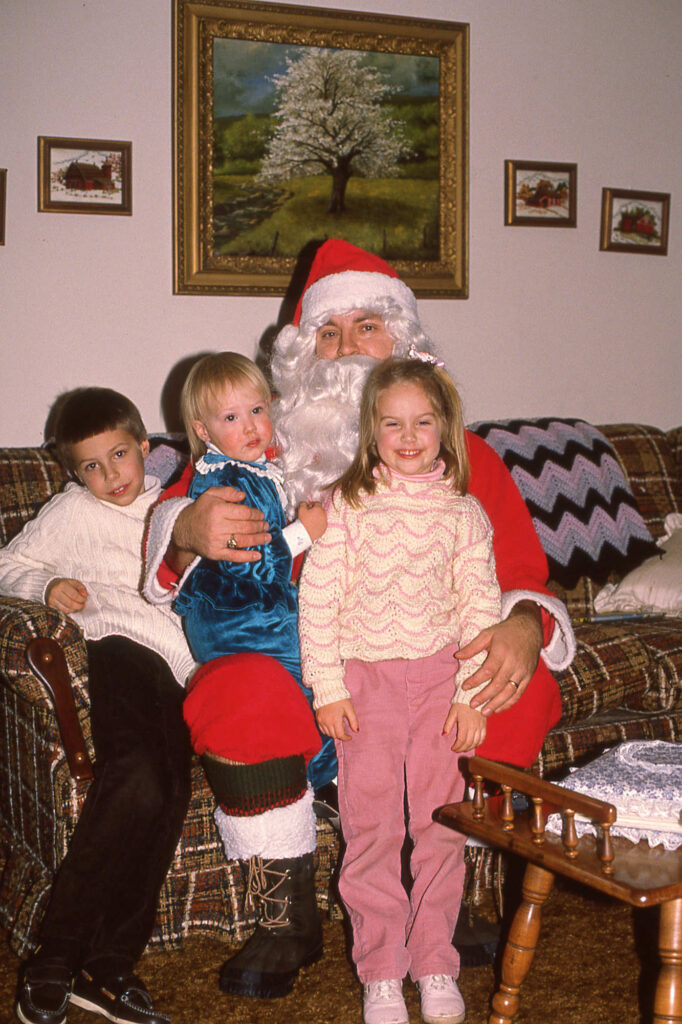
[(226, 186), (397, 217)]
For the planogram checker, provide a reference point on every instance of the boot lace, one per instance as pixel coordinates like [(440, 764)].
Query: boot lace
[(261, 887)]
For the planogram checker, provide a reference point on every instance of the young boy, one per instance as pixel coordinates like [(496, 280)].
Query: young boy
[(82, 555)]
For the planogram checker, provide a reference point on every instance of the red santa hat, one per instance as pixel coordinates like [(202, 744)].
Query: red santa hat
[(343, 277)]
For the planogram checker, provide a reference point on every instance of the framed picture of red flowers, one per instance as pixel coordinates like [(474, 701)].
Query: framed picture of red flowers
[(633, 221)]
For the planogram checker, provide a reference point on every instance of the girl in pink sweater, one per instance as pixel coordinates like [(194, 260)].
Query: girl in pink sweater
[(403, 576)]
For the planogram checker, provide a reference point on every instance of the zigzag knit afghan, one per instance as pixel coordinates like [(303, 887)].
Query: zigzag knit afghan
[(584, 513)]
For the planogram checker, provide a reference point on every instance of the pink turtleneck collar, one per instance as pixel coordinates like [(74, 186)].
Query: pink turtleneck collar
[(418, 478)]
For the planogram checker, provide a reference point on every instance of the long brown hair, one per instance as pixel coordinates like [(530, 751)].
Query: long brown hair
[(446, 404)]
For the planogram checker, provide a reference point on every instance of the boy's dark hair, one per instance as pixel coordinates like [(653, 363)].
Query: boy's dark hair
[(88, 411)]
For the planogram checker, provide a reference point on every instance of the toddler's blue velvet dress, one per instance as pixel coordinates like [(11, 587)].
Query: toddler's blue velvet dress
[(231, 607)]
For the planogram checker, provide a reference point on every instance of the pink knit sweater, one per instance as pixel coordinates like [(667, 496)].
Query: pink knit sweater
[(408, 573)]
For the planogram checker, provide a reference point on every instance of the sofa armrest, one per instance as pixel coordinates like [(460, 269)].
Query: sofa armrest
[(48, 663), (675, 441), (43, 658), (623, 667)]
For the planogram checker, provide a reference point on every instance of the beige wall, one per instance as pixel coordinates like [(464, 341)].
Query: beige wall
[(552, 326)]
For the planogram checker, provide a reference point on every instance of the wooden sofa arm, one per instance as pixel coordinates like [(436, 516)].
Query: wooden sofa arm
[(48, 663), (56, 685)]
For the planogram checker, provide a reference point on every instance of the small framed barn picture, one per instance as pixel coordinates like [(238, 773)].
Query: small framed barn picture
[(540, 195), (84, 176), (634, 221)]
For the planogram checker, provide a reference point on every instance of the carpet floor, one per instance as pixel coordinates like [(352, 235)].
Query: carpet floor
[(593, 965)]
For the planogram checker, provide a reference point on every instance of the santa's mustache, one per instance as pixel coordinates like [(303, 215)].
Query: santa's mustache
[(337, 379)]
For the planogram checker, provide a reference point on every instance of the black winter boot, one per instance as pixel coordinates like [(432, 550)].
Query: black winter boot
[(288, 936)]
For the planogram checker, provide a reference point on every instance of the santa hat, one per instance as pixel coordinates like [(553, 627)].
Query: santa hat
[(343, 277)]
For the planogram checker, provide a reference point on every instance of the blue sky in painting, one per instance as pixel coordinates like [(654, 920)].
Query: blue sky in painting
[(242, 70)]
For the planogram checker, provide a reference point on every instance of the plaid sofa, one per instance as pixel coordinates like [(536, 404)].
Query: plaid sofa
[(41, 795), (624, 683)]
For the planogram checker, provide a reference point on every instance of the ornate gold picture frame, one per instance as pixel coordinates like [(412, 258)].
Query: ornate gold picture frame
[(293, 124), (3, 199)]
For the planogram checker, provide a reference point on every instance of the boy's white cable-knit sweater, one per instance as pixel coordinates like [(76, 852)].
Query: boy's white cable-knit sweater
[(78, 536), (405, 575)]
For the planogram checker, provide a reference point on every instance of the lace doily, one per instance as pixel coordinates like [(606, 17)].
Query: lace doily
[(643, 780)]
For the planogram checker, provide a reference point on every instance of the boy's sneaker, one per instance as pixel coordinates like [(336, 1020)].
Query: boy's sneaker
[(120, 997), (383, 1002), (441, 1000), (44, 991)]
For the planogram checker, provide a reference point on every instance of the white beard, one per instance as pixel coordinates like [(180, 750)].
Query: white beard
[(316, 424)]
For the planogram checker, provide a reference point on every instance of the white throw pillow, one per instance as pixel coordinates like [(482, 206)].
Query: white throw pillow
[(656, 585)]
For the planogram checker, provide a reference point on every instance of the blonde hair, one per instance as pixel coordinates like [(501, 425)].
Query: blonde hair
[(446, 404), (204, 382)]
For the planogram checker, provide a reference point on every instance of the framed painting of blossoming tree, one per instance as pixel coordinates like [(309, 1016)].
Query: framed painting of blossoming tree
[(293, 124)]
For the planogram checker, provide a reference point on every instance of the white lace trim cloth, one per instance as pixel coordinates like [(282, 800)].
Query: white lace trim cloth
[(643, 780)]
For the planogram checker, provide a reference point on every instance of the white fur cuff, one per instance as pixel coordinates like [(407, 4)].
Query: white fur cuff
[(159, 536), (560, 651), (281, 832)]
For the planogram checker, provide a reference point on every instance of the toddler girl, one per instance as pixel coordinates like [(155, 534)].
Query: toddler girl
[(233, 607), (403, 575), (250, 717)]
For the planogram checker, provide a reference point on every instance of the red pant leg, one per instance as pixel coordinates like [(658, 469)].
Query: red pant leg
[(247, 708), (516, 735)]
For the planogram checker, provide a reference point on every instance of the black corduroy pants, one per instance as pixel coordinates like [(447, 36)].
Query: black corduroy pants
[(105, 895)]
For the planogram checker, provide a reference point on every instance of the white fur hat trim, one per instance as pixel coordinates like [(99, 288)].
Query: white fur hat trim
[(355, 289)]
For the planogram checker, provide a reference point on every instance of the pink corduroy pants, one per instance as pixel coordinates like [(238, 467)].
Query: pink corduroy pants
[(400, 752)]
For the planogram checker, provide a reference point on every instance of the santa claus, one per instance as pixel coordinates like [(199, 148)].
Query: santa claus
[(354, 310)]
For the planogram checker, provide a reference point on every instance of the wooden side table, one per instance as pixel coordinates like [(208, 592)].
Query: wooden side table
[(636, 873)]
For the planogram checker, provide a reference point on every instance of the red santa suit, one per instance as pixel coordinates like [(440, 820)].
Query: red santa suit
[(342, 279), (515, 735)]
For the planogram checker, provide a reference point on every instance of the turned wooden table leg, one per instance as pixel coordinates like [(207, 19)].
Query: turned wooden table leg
[(520, 948), (668, 998)]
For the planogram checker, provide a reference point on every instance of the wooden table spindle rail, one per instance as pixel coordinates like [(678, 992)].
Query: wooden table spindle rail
[(635, 873)]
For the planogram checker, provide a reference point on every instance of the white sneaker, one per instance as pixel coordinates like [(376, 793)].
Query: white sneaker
[(441, 1000), (383, 1002)]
